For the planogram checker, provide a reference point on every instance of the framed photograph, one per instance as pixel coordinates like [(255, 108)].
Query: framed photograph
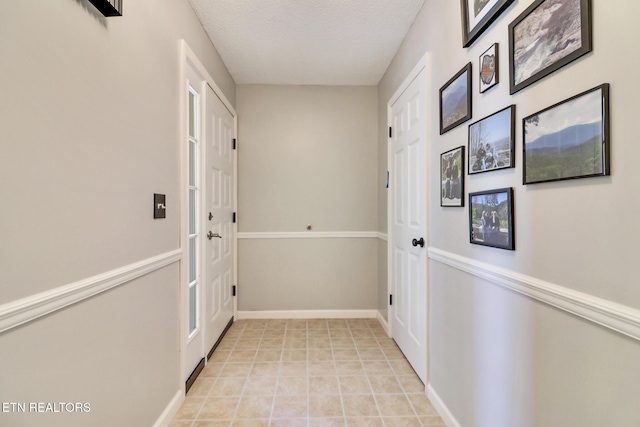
[(455, 100), (452, 178), (488, 65), (546, 37), (568, 140), (108, 7), (477, 16), (491, 218), (492, 142)]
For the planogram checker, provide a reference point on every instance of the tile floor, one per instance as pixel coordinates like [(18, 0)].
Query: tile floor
[(319, 372)]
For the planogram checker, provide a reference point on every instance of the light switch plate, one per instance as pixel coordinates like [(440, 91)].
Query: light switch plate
[(159, 207)]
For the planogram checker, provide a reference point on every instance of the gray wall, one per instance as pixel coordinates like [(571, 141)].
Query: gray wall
[(90, 120), (307, 155), (498, 358)]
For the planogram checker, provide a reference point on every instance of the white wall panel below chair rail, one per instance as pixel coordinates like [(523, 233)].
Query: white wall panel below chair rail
[(618, 317)]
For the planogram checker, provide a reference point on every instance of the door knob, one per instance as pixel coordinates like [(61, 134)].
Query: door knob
[(420, 242), (210, 216), (211, 235)]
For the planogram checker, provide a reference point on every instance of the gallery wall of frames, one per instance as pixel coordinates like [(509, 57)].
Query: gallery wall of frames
[(567, 140)]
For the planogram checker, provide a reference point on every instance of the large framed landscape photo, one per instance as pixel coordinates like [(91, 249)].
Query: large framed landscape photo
[(548, 35), (568, 140), (491, 218), (477, 16), (452, 178), (455, 100), (492, 141)]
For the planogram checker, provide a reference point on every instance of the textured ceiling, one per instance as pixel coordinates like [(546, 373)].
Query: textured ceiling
[(319, 42)]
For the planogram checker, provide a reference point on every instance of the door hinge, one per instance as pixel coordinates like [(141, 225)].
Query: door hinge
[(390, 299), (234, 217), (234, 143), (390, 132), (234, 290)]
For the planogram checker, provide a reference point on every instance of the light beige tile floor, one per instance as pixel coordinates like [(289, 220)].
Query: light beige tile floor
[(319, 372)]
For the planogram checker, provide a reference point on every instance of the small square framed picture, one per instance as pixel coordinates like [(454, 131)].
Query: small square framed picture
[(452, 178), (488, 66), (491, 218)]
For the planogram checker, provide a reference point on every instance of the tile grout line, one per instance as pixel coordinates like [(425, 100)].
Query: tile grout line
[(402, 387), (246, 380), (335, 367), (280, 360), (375, 400), (215, 381)]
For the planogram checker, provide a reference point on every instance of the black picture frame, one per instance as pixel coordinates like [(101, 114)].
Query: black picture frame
[(455, 100), (563, 35), (486, 232), (488, 69), (555, 151), (452, 178), (108, 7), (476, 19), (491, 142)]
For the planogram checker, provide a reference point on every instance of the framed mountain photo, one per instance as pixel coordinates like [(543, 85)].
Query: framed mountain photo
[(455, 100), (568, 140)]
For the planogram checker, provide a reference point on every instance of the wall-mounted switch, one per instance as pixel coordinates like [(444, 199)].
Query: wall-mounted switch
[(159, 207)]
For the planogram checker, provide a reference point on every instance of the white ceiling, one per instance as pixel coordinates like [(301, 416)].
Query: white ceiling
[(307, 42)]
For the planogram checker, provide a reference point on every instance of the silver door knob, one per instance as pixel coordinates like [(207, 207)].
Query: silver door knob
[(211, 235)]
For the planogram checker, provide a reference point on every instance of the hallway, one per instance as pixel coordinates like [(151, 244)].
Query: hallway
[(318, 372)]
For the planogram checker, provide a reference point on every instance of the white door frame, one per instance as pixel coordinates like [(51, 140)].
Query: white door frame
[(423, 63), (188, 59)]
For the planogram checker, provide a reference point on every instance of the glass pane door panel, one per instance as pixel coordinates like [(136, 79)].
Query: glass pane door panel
[(192, 211), (192, 163), (193, 254), (192, 114), (193, 308)]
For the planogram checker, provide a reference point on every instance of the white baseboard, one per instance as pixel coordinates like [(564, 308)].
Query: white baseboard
[(442, 409), (308, 314), (171, 410), (383, 323)]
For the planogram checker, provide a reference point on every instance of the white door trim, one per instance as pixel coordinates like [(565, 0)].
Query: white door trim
[(188, 59), (417, 69)]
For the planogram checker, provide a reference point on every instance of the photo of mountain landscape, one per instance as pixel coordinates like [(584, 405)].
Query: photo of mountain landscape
[(455, 100), (568, 140)]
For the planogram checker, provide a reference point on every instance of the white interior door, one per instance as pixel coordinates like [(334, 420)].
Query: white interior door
[(218, 219), (408, 223)]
